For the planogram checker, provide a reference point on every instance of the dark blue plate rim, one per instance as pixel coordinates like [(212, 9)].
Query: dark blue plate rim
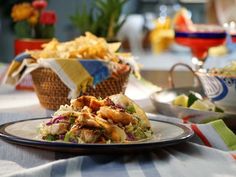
[(61, 146)]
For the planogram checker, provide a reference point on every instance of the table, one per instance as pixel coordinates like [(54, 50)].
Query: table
[(185, 159), (155, 67), (164, 61)]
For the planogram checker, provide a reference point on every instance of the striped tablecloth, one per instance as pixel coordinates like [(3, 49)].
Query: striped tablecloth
[(186, 159)]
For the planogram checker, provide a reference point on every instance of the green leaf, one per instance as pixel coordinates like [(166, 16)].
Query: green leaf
[(130, 109), (102, 19), (192, 98), (83, 19), (23, 29), (72, 120), (67, 137), (139, 133), (50, 137), (102, 5), (120, 24), (47, 31)]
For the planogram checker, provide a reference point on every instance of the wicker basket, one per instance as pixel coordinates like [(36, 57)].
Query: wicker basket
[(52, 92)]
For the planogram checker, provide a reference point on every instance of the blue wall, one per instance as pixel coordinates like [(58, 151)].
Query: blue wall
[(64, 29)]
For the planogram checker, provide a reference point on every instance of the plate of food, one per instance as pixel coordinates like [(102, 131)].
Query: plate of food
[(191, 105), (93, 125)]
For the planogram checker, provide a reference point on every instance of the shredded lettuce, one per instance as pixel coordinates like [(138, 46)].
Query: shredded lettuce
[(130, 109), (72, 120), (139, 133), (69, 137), (50, 137)]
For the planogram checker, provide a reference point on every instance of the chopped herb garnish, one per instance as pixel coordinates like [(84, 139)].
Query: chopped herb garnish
[(139, 133), (67, 137), (192, 98), (130, 109), (50, 137), (72, 120)]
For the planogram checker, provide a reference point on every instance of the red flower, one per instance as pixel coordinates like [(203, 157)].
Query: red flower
[(39, 4), (48, 18)]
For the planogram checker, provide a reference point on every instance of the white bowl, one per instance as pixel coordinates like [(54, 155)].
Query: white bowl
[(219, 89)]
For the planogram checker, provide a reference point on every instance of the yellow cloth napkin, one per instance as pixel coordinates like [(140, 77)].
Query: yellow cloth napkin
[(71, 72)]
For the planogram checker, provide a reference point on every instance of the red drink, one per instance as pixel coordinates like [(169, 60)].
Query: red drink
[(231, 28), (199, 46), (233, 37), (200, 40)]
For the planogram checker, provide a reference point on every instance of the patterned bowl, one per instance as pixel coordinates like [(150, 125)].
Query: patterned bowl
[(219, 89)]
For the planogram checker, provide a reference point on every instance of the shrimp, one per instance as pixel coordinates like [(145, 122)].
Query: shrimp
[(89, 101), (115, 133), (87, 119), (117, 116)]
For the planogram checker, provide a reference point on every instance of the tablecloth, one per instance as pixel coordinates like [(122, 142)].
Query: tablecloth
[(185, 159)]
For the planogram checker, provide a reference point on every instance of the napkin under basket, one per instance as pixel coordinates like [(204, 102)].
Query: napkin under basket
[(52, 92)]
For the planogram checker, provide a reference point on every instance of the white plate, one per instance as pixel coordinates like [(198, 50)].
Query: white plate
[(24, 132)]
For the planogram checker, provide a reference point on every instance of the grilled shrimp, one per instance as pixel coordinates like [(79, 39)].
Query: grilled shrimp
[(87, 120), (115, 133), (89, 101), (116, 115)]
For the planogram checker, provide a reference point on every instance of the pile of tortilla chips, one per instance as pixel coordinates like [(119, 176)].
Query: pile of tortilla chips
[(85, 47)]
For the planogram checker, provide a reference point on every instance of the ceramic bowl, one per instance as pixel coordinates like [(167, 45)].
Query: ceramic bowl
[(219, 89), (162, 101)]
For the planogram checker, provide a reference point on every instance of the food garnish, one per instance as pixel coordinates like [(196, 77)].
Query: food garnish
[(115, 119), (227, 71), (195, 101)]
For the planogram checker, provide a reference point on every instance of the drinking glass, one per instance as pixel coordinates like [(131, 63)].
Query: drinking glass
[(231, 29), (200, 37)]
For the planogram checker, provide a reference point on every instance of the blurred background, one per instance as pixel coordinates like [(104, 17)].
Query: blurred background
[(141, 32)]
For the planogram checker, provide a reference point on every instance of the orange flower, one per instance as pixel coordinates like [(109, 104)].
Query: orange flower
[(21, 11), (33, 19)]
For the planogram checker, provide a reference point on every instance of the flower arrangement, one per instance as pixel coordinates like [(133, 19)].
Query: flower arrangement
[(31, 20)]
